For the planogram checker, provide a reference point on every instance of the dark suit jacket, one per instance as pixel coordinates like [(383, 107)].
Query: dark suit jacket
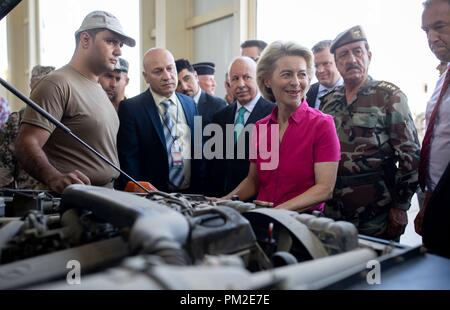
[(141, 144), (208, 106), (223, 175), (436, 220), (311, 95)]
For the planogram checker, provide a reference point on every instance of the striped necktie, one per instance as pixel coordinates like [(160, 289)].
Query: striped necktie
[(176, 173), (239, 124)]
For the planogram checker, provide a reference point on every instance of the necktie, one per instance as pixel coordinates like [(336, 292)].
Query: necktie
[(426, 145), (239, 124), (176, 173)]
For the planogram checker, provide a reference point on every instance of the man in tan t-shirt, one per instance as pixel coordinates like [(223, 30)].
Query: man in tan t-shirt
[(73, 95)]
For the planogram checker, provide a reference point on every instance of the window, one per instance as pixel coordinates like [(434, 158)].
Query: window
[(60, 19), (400, 52)]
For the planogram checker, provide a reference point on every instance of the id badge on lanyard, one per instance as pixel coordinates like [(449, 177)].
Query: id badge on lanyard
[(177, 154)]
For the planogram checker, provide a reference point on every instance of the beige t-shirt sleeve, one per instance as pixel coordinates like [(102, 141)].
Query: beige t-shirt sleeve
[(52, 97)]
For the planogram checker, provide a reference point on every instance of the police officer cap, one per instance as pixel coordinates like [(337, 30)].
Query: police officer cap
[(351, 35), (205, 68), (121, 65)]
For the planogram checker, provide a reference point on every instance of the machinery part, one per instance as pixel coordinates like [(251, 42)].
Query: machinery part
[(238, 205), (8, 232), (6, 6), (307, 275), (319, 273), (341, 271), (155, 228), (2, 206), (282, 258), (19, 202), (411, 269), (219, 230), (288, 233), (337, 237), (49, 267)]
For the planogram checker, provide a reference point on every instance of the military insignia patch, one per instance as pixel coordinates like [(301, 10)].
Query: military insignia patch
[(388, 86)]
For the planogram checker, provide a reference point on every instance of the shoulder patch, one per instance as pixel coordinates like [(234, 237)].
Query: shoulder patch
[(387, 86)]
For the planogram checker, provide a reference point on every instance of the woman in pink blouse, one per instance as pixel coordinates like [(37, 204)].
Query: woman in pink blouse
[(296, 147)]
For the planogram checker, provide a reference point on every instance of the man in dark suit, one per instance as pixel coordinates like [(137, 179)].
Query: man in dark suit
[(436, 220), (207, 105), (225, 174), (326, 73), (155, 137)]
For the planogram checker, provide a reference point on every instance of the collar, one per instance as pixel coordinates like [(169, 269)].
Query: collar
[(249, 106), (322, 88), (296, 116), (158, 98), (197, 96)]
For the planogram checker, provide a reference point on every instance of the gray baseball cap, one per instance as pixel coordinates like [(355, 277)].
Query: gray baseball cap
[(102, 19), (121, 65)]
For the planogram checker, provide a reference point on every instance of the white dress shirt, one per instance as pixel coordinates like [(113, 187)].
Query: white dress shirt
[(197, 96), (182, 130), (440, 141), (249, 107), (322, 91)]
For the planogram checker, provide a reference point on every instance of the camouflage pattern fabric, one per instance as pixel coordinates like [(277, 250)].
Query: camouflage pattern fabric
[(11, 175), (4, 110), (380, 155)]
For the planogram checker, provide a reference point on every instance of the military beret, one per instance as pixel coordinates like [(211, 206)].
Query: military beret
[(121, 65), (205, 68), (351, 35)]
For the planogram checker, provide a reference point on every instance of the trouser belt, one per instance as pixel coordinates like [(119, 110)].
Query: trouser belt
[(358, 179)]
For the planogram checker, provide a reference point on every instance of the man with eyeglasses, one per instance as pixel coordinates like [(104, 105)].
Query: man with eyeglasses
[(326, 73), (377, 174), (73, 95)]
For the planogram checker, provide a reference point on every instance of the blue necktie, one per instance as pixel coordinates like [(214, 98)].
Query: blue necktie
[(239, 124), (176, 173)]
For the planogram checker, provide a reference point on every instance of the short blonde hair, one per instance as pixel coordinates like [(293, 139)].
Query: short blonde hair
[(267, 63)]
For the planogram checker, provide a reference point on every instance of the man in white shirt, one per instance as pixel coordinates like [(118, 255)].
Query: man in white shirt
[(433, 220)]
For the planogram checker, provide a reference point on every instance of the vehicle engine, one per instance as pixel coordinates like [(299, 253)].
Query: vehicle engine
[(173, 241)]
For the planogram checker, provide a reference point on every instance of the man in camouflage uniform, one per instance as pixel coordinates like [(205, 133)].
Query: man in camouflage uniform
[(11, 174), (377, 174)]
